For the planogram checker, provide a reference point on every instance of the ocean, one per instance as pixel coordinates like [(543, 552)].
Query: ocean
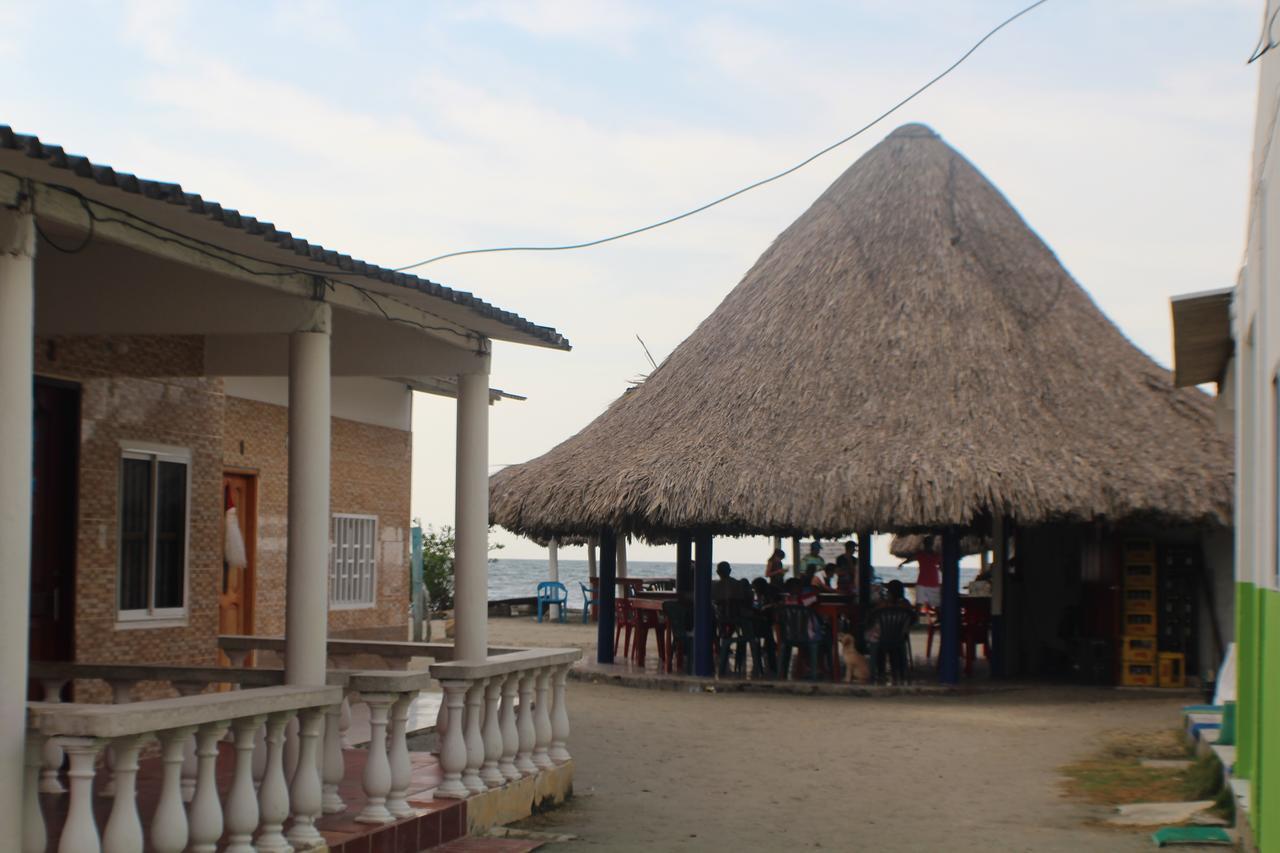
[(519, 578)]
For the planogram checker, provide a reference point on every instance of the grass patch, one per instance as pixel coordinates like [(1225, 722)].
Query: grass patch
[(1114, 776)]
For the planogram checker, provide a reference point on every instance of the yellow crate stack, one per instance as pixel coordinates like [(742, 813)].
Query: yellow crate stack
[(1139, 657)]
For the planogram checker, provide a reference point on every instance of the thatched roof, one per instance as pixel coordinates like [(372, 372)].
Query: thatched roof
[(907, 354), (905, 546)]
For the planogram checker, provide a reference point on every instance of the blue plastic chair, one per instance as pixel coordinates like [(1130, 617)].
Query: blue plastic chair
[(587, 601), (552, 592)]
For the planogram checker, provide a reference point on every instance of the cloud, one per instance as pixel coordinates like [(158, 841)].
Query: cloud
[(611, 23)]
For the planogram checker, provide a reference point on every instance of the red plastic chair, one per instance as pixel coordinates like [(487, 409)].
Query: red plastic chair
[(624, 619), (930, 617), (646, 620), (975, 625)]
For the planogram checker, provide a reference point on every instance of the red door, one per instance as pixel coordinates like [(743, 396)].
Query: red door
[(55, 464)]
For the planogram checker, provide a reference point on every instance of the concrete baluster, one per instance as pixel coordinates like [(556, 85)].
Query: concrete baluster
[(524, 724), (492, 734), (304, 795), (559, 751), (290, 750), (273, 793), (124, 828), (79, 833), (510, 734), (377, 770), (169, 824), (475, 742), (542, 720), (206, 810), (259, 756), (53, 755), (121, 693), (453, 748), (398, 747), (242, 802), (330, 799), (189, 688), (35, 838)]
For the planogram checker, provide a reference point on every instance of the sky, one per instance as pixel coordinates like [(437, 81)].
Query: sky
[(396, 131)]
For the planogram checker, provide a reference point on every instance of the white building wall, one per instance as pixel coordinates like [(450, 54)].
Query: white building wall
[(379, 402)]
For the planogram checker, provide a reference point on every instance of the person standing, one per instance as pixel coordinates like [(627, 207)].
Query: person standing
[(774, 572), (929, 579), (814, 560)]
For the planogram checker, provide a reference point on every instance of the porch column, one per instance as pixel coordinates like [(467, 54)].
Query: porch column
[(17, 319), (622, 557), (949, 649), (1000, 559), (307, 580), (605, 597), (471, 519), (684, 565), (703, 614), (553, 573)]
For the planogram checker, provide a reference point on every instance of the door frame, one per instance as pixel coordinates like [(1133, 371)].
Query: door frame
[(250, 544)]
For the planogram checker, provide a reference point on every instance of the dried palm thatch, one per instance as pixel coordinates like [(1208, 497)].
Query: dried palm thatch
[(906, 545), (907, 354)]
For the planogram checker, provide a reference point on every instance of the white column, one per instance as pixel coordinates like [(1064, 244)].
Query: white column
[(553, 574), (621, 550), (471, 524), (306, 594), (559, 751), (453, 749), (592, 570), (17, 344), (475, 742)]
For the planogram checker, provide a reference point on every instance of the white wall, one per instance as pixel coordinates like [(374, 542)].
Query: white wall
[(380, 402)]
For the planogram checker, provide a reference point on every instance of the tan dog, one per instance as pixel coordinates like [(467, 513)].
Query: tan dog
[(854, 663)]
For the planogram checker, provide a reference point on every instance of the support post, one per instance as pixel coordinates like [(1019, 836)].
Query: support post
[(593, 576), (795, 556), (471, 525), (684, 565), (307, 581), (608, 584), (866, 571), (703, 616), (1000, 554), (553, 574), (622, 556), (949, 649), (17, 345)]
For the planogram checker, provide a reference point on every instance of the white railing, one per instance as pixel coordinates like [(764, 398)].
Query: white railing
[(253, 820), (502, 719)]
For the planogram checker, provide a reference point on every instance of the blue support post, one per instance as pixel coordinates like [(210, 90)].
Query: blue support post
[(608, 588), (949, 650), (703, 614)]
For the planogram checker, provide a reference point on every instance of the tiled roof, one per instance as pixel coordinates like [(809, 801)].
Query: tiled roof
[(170, 193)]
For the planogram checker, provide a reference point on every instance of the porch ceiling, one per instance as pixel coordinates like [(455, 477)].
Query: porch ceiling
[(79, 193)]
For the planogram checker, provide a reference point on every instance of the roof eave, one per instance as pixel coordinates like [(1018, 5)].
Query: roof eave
[(1202, 343)]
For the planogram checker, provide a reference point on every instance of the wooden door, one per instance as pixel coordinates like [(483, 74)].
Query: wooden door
[(55, 467), (235, 600)]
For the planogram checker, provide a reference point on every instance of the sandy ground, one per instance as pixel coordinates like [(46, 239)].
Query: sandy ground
[(660, 770)]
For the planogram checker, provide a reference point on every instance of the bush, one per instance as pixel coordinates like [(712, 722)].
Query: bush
[(437, 565)]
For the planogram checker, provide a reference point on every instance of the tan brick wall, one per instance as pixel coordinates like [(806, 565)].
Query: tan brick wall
[(141, 389), (370, 475)]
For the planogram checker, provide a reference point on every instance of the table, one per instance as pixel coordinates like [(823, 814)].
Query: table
[(831, 606)]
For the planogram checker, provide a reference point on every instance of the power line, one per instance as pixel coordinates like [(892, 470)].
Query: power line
[(722, 199)]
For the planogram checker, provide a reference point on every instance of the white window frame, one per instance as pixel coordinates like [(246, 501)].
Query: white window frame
[(342, 591), (154, 617)]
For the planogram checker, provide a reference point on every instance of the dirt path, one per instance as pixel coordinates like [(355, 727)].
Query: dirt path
[(660, 770)]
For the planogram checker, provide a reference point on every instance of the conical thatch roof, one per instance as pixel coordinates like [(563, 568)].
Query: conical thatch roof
[(907, 354)]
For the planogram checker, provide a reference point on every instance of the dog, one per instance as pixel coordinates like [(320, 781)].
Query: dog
[(855, 664)]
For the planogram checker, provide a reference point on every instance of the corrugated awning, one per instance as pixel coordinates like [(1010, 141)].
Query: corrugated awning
[(1202, 343)]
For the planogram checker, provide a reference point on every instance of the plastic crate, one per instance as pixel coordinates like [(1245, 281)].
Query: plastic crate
[(1138, 674), (1139, 600), (1172, 669), (1139, 625), (1140, 551), (1139, 576), (1138, 649)]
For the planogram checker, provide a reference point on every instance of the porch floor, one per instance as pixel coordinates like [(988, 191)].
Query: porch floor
[(436, 822)]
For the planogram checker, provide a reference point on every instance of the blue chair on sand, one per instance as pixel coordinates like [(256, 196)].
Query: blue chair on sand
[(552, 592), (587, 601)]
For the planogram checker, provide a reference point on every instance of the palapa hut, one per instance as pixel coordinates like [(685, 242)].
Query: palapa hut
[(907, 355)]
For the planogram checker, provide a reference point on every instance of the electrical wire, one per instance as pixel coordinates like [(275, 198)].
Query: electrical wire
[(1259, 50), (748, 188)]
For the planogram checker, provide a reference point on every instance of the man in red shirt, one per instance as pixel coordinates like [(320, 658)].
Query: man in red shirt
[(929, 580)]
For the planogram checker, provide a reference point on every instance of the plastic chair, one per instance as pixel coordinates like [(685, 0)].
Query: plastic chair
[(975, 627), (644, 621), (624, 619), (800, 628), (893, 642), (587, 601), (738, 629), (679, 615), (552, 592)]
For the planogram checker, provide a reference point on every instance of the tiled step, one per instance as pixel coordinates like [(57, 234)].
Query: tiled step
[(490, 845)]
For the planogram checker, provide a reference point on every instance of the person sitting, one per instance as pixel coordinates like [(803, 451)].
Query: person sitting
[(846, 581), (825, 581), (887, 627), (774, 572), (727, 588)]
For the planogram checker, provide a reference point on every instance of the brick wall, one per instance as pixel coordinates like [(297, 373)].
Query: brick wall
[(146, 389), (370, 475)]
